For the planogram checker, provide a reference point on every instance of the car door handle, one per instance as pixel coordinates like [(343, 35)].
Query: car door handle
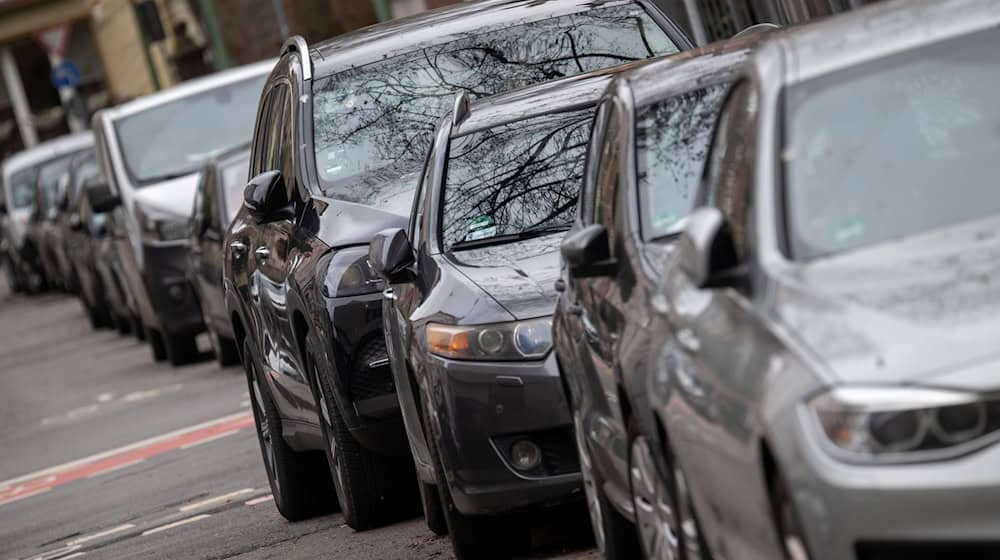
[(688, 340), (238, 247), (262, 252)]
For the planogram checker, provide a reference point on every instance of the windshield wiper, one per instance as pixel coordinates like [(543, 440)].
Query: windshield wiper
[(538, 230)]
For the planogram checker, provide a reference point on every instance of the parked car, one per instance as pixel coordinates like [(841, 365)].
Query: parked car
[(67, 198), (151, 150), (20, 176), (468, 316), (83, 229), (216, 202), (647, 152), (341, 133), (106, 262), (826, 355)]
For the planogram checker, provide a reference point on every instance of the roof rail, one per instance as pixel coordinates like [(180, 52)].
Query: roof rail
[(298, 44), (460, 111)]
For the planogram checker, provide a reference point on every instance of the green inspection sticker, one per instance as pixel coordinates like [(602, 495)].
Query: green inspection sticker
[(480, 222), (849, 230), (664, 220)]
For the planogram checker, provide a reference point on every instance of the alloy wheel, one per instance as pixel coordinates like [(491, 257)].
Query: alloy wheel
[(264, 429), (692, 540), (331, 442), (590, 485), (656, 517)]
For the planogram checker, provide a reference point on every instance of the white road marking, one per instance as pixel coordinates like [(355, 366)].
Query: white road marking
[(217, 499), (129, 447), (105, 397), (151, 393), (213, 438), (28, 495), (168, 526), (54, 554), (245, 403), (259, 500), (102, 534), (118, 468), (76, 555)]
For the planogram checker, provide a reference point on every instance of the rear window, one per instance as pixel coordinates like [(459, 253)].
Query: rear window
[(374, 123)]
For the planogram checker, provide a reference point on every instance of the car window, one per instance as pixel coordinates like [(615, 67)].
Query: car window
[(210, 198), (234, 181), (514, 179), (86, 168), (275, 129), (22, 186), (48, 180), (177, 137), (919, 154), (374, 123), (672, 138), (608, 176), (594, 147), (730, 167)]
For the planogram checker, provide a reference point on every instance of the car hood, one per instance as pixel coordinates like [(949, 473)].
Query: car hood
[(175, 196), (519, 276), (343, 223), (925, 310)]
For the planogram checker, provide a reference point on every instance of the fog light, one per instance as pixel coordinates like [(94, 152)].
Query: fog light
[(525, 455), (176, 292)]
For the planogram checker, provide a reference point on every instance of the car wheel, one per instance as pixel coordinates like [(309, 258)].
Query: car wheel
[(156, 344), (122, 325), (614, 536), (299, 482), (657, 519), (472, 536), (789, 530), (181, 350), (224, 348), (372, 489), (433, 512)]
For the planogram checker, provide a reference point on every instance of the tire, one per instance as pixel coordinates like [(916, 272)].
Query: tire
[(300, 482), (433, 512), (181, 350), (122, 325), (140, 333), (788, 522), (614, 535), (156, 345), (666, 523), (372, 489), (225, 350), (473, 536)]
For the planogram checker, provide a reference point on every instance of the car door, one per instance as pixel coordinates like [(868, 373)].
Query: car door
[(273, 257), (209, 272)]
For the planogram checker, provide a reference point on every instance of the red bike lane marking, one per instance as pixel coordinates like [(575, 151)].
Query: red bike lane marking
[(48, 479)]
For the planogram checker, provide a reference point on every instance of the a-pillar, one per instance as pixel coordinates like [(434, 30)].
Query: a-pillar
[(18, 99)]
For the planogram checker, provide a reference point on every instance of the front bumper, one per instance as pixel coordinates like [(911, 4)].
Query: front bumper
[(946, 509), (168, 289), (480, 409)]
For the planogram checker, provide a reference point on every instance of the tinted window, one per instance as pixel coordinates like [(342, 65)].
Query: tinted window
[(375, 122), (894, 148), (22, 186), (671, 144), (48, 180), (87, 168), (730, 165), (176, 138), (513, 178), (234, 180)]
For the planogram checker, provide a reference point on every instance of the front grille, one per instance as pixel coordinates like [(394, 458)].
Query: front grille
[(927, 550), (370, 372)]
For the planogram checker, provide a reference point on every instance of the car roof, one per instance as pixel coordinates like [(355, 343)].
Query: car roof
[(715, 63), (184, 89), (873, 32), (47, 150), (443, 25)]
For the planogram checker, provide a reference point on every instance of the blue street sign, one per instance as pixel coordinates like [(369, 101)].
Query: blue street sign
[(66, 74)]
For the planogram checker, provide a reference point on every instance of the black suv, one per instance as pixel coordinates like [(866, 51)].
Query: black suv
[(341, 134)]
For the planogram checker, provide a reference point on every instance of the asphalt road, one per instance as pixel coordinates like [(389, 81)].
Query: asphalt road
[(105, 454)]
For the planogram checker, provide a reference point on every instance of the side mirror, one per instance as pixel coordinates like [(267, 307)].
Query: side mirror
[(706, 251), (265, 193), (588, 252), (75, 223), (391, 255), (100, 196)]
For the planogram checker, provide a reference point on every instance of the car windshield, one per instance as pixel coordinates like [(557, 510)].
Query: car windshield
[(48, 179), (671, 140), (375, 122), (176, 138), (22, 186), (894, 148), (87, 168), (514, 181), (234, 181)]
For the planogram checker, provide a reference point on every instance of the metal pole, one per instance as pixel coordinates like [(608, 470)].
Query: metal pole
[(382, 11), (18, 99), (220, 56), (279, 12)]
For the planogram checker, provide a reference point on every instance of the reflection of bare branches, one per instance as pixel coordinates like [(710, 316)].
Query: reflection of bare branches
[(385, 113), (518, 175)]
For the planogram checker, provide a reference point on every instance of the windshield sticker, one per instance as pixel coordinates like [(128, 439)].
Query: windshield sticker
[(480, 222), (664, 220), (849, 230), (483, 233)]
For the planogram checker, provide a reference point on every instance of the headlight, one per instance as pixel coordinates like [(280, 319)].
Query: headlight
[(905, 424), (157, 225), (519, 340), (351, 274)]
